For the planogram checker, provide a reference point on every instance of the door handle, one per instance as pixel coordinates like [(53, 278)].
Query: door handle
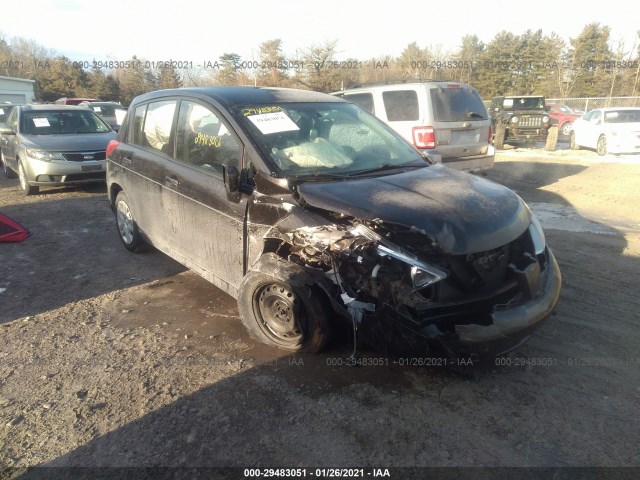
[(172, 180)]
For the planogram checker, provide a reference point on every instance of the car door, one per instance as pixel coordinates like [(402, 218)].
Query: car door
[(206, 222), (9, 143), (144, 156)]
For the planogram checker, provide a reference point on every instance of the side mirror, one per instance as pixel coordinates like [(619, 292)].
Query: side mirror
[(231, 176), (4, 130)]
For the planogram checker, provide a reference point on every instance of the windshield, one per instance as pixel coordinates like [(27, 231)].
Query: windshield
[(325, 138), (526, 103), (42, 122), (457, 104), (622, 116), (106, 110)]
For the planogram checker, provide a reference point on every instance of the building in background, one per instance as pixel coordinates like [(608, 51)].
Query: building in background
[(17, 91)]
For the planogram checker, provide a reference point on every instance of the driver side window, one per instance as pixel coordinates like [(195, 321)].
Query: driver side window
[(203, 140)]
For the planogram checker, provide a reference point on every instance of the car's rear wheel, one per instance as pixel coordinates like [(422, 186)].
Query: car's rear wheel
[(601, 147), (552, 138), (572, 141), (24, 182), (282, 307), (7, 170), (127, 227), (566, 128), (498, 138)]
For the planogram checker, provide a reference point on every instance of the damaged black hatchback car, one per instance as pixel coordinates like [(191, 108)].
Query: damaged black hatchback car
[(311, 211)]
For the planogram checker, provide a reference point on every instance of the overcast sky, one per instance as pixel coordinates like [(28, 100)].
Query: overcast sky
[(162, 30)]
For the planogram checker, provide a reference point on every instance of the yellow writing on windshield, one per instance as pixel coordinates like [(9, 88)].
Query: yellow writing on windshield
[(259, 110)]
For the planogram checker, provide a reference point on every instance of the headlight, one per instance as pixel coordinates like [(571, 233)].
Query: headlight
[(514, 119), (537, 235), (545, 119), (422, 273), (44, 156)]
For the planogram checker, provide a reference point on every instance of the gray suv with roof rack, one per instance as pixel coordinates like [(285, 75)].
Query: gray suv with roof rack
[(445, 120)]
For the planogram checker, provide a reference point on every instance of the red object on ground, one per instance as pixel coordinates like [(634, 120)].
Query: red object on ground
[(12, 231)]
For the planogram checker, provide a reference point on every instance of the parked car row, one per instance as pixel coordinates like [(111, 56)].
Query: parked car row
[(310, 210)]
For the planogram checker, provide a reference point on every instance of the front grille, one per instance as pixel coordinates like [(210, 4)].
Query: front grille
[(85, 156), (534, 121)]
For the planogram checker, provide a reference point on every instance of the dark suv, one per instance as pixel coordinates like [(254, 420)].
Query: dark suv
[(310, 211), (522, 119)]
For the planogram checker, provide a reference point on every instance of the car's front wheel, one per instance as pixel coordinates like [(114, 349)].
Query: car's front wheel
[(7, 170), (280, 306), (127, 227), (601, 147), (24, 182), (566, 129)]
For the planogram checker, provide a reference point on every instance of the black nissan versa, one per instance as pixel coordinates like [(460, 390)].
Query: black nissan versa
[(310, 211)]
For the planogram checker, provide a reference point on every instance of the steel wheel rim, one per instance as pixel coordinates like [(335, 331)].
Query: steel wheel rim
[(566, 129), (23, 177), (124, 219), (278, 309), (602, 146)]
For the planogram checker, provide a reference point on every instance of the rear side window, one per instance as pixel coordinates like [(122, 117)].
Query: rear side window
[(157, 125), (365, 100), (401, 105), (457, 105)]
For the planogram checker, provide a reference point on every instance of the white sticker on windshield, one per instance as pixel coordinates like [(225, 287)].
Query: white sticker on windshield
[(97, 109), (273, 122), (611, 115), (1, 111), (508, 102), (41, 122)]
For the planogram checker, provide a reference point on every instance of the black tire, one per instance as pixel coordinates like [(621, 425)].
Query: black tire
[(498, 138), (24, 182), (282, 307), (601, 146), (7, 170), (127, 227), (566, 128), (552, 139), (572, 141)]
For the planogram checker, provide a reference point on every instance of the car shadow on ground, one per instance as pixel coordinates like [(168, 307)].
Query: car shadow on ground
[(73, 252)]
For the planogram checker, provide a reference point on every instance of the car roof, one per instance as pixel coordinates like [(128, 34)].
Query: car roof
[(394, 85), (50, 107), (230, 96), (105, 102)]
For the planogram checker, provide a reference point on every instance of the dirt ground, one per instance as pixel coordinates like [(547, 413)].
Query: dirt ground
[(108, 358)]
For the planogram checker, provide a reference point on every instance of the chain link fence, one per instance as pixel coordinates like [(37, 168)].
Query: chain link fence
[(588, 104)]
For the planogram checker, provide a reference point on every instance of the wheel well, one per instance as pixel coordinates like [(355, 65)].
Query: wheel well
[(114, 190)]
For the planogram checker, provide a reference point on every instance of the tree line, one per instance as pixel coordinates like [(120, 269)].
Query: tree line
[(589, 65)]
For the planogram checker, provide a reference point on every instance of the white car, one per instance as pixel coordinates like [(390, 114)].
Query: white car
[(608, 130)]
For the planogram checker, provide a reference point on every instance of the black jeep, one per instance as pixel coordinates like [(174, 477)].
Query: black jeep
[(523, 119)]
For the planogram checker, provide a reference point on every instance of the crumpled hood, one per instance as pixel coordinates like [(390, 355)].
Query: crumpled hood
[(81, 142), (461, 212)]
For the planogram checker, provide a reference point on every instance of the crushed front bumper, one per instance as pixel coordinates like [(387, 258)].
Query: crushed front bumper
[(508, 328)]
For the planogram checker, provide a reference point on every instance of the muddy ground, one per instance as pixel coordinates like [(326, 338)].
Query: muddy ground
[(109, 358)]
